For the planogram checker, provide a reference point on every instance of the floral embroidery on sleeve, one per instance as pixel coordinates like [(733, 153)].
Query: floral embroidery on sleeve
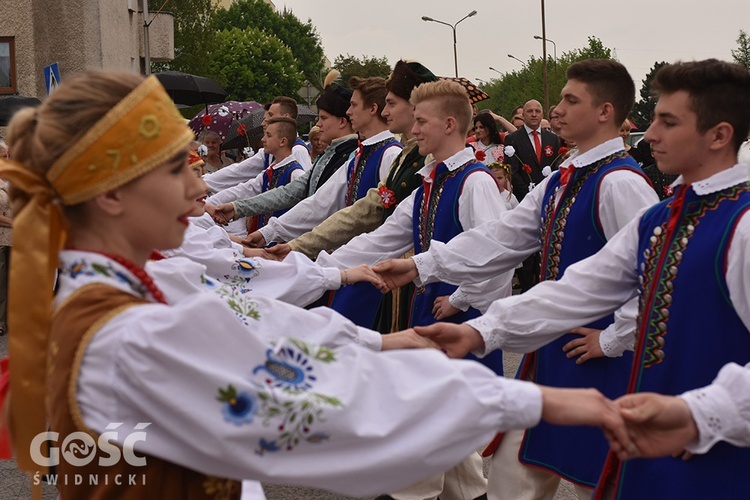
[(285, 401)]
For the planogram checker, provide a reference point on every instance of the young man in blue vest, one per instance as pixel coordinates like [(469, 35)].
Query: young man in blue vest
[(568, 217), (686, 261)]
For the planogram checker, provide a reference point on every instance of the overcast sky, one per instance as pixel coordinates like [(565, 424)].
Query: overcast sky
[(640, 32)]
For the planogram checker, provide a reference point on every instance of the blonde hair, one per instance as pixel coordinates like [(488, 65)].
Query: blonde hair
[(38, 137), (454, 100)]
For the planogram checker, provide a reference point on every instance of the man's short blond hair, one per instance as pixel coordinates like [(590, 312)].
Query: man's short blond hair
[(454, 101)]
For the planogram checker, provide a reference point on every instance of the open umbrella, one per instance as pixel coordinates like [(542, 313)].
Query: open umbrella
[(12, 103), (475, 93), (220, 117), (190, 90), (251, 126)]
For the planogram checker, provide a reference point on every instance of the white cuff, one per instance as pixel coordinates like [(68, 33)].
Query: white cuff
[(370, 339), (522, 404), (458, 300), (712, 411)]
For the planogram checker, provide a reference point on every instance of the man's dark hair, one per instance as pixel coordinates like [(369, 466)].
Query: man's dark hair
[(608, 81), (287, 128), (373, 91), (719, 92), (287, 106)]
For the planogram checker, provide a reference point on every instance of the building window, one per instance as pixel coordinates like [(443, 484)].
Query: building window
[(7, 65)]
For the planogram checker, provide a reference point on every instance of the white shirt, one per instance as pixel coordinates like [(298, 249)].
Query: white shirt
[(722, 410), (253, 187), (500, 245), (296, 280), (330, 198), (530, 134), (237, 173), (478, 202), (358, 410)]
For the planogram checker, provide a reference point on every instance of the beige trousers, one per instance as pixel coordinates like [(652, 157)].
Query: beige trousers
[(465, 481), (509, 479)]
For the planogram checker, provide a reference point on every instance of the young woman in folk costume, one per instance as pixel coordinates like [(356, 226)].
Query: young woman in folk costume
[(100, 178)]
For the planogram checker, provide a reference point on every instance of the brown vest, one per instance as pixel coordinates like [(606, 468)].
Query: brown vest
[(73, 326)]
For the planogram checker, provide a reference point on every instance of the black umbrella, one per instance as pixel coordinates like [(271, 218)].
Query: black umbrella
[(252, 126), (190, 90), (12, 103)]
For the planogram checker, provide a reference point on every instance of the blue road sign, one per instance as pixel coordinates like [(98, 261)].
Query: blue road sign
[(51, 77)]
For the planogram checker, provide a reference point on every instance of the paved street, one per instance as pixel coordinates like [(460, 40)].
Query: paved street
[(15, 486)]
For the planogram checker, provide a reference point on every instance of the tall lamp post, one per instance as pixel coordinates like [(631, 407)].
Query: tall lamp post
[(544, 63), (453, 27), (496, 71), (554, 45), (514, 57)]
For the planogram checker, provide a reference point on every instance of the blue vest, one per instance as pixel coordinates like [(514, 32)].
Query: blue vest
[(687, 330), (280, 177), (360, 302), (267, 156), (363, 172), (437, 219), (572, 231)]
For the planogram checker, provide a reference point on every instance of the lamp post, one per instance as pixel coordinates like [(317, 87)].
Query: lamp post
[(544, 63), (514, 57), (483, 82), (496, 71), (453, 27), (554, 45)]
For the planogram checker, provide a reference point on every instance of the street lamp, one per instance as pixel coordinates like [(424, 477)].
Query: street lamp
[(496, 71), (514, 57), (453, 27), (544, 63), (483, 82), (554, 45)]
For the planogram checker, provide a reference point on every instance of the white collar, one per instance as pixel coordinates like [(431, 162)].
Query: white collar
[(529, 130), (719, 181), (452, 162), (283, 163), (341, 139), (380, 136), (603, 150), (79, 268)]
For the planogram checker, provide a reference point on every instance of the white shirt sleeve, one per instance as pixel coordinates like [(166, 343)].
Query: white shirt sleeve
[(483, 252), (247, 189), (179, 367), (310, 212), (622, 195), (479, 202), (589, 289), (236, 173), (302, 155), (391, 240), (386, 161), (722, 410)]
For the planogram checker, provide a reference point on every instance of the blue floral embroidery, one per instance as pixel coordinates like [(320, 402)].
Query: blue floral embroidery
[(239, 407), (285, 400), (290, 369), (84, 268)]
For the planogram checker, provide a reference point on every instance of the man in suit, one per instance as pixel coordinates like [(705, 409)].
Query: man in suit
[(534, 147)]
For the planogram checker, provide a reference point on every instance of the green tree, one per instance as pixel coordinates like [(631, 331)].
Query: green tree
[(252, 65), (642, 110), (517, 87), (194, 35), (742, 54), (365, 67), (301, 38)]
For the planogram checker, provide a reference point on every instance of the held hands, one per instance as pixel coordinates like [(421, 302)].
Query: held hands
[(455, 340), (586, 347), (222, 214), (396, 272), (658, 425), (442, 308), (254, 240), (280, 250), (358, 274), (406, 339), (258, 252)]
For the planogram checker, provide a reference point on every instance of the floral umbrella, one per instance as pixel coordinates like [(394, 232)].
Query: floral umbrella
[(251, 126), (219, 117)]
